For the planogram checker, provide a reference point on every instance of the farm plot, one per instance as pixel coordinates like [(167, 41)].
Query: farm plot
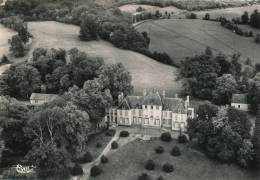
[(182, 38)]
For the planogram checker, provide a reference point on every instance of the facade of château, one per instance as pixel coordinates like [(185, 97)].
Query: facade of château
[(151, 110)]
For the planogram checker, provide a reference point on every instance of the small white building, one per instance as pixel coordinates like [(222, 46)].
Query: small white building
[(239, 101), (40, 98), (151, 110)]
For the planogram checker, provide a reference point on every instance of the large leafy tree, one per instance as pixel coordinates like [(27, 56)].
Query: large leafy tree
[(88, 27), (13, 117), (116, 78), (92, 98), (226, 85), (23, 80), (17, 46)]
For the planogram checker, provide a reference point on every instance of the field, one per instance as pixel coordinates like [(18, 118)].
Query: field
[(228, 12), (182, 38), (128, 163), (146, 72), (5, 34)]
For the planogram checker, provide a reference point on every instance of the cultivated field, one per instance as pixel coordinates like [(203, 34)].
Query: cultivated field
[(182, 38), (128, 163), (131, 8), (228, 12), (146, 72)]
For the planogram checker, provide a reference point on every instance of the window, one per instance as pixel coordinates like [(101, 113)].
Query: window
[(238, 106), (170, 115), (140, 112), (145, 107), (157, 107), (151, 107), (120, 112), (126, 113)]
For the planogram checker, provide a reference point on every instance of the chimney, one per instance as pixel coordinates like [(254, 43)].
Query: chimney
[(163, 94), (176, 95), (188, 100)]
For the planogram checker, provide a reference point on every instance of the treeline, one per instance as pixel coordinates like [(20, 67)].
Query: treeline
[(54, 71), (217, 77), (233, 26)]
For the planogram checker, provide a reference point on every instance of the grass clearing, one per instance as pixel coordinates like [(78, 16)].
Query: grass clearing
[(128, 163), (5, 34), (146, 72), (181, 38)]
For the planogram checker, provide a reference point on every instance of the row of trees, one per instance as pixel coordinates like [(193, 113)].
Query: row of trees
[(58, 70), (217, 77), (224, 134)]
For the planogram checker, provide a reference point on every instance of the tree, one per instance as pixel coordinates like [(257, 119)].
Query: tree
[(116, 78), (257, 132), (207, 16), (23, 80), (92, 98), (17, 46), (4, 59), (244, 18), (255, 19), (88, 28), (51, 161), (13, 117), (226, 85)]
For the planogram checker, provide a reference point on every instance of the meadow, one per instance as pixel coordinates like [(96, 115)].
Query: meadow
[(181, 38), (129, 161), (146, 72)]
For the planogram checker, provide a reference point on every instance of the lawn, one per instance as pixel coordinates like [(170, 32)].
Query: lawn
[(182, 37), (101, 138), (5, 34), (128, 163), (146, 72)]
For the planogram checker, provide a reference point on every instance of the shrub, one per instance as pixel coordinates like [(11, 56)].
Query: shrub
[(159, 149), (176, 151), (104, 159), (95, 171), (166, 136), (124, 134), (86, 158), (114, 145), (144, 176), (168, 168), (182, 139), (110, 132), (150, 165), (98, 145), (77, 170)]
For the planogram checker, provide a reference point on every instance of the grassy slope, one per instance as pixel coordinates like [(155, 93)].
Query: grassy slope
[(146, 72), (182, 38), (128, 162)]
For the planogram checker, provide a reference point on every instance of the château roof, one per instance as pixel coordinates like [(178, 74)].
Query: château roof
[(239, 98), (43, 97), (135, 102)]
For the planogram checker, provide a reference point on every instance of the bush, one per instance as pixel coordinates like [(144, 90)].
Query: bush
[(182, 139), (98, 145), (110, 132), (77, 170), (176, 151), (86, 158), (150, 165), (144, 176), (104, 159), (166, 136), (114, 145), (124, 134), (95, 171), (159, 149), (168, 168)]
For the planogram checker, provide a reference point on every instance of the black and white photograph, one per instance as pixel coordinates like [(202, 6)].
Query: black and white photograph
[(129, 89)]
